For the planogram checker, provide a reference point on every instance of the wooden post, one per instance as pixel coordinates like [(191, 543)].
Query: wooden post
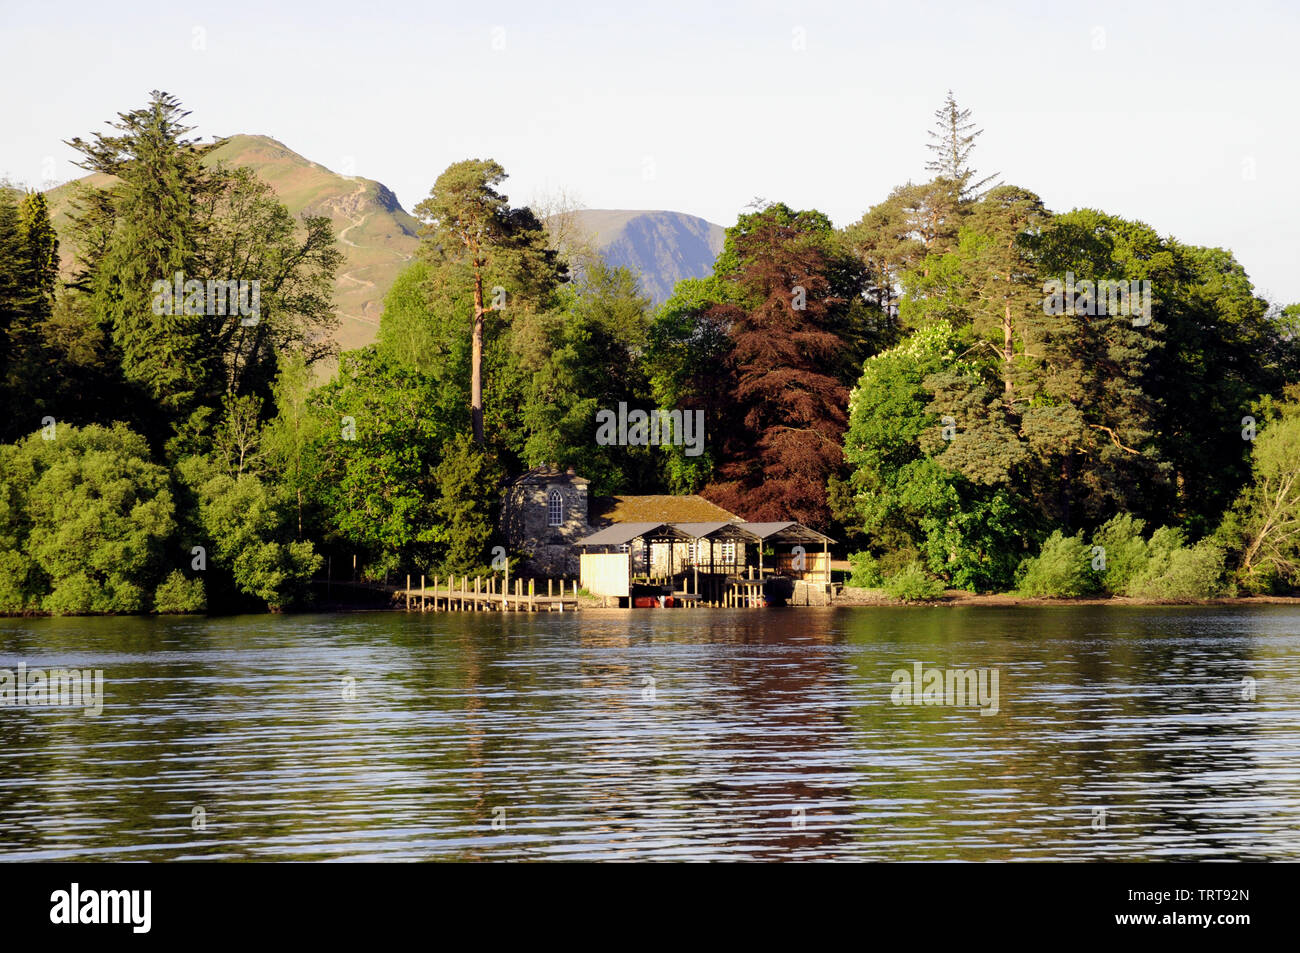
[(408, 592), (826, 559), (695, 563), (424, 606), (532, 605)]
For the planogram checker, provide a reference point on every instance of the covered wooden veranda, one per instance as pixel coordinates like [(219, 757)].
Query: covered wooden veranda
[(693, 561), (814, 567), (715, 572)]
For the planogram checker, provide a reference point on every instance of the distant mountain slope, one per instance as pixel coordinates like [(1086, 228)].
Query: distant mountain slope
[(660, 247), (376, 235)]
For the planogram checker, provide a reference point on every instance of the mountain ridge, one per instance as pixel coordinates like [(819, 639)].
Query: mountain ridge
[(660, 246), (378, 236)]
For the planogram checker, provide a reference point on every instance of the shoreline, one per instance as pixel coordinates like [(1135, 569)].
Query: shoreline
[(960, 597), (860, 599)]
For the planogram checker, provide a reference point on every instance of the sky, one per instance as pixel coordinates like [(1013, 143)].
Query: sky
[(1181, 114)]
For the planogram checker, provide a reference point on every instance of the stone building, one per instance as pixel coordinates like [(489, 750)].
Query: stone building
[(543, 514), (546, 511)]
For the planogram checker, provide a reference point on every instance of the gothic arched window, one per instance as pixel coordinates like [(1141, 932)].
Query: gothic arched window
[(555, 508)]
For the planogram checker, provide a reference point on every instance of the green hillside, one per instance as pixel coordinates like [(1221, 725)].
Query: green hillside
[(376, 234)]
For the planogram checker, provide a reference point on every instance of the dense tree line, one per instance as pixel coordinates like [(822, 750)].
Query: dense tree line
[(999, 419), (904, 383), (139, 472)]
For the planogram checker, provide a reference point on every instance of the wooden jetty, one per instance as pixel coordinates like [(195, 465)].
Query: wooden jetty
[(464, 593), (486, 594)]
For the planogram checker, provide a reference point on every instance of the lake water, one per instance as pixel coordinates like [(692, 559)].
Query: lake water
[(1121, 733)]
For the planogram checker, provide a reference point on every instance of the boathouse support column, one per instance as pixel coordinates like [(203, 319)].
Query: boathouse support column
[(695, 563)]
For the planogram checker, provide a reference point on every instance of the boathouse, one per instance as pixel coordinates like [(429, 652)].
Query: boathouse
[(614, 542)]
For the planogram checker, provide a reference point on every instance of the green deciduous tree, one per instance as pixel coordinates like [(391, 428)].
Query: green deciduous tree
[(688, 344), (375, 454), (899, 497), (1062, 568), (592, 360), (1263, 526), (85, 517), (289, 437), (248, 235), (250, 531)]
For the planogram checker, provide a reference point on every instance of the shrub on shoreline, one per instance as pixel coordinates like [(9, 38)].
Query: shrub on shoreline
[(1124, 551), (866, 572), (1161, 569), (913, 584), (1181, 574), (177, 595), (1062, 568)]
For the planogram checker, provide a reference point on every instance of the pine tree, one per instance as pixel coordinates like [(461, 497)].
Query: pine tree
[(40, 254), (1002, 274), (954, 141), (469, 223), (10, 271), (156, 234), (36, 267), (28, 276)]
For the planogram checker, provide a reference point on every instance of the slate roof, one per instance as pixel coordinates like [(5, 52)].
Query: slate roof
[(722, 531), (620, 533), (788, 532), (550, 474)]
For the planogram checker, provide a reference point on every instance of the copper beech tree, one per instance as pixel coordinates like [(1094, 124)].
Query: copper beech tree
[(796, 337)]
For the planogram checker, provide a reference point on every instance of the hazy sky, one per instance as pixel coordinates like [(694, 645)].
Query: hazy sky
[(1182, 115)]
